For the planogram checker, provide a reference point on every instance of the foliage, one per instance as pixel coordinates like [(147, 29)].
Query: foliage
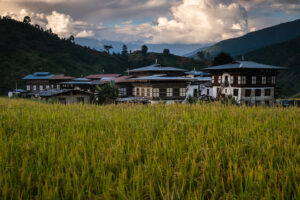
[(166, 52), (107, 92), (107, 48), (222, 58), (144, 50), (52, 151), (27, 20), (125, 50)]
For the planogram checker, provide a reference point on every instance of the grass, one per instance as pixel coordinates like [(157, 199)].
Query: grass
[(52, 151)]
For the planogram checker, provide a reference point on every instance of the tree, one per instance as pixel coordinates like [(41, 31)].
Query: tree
[(124, 50), (107, 48), (71, 39), (222, 58), (27, 20), (201, 55), (144, 50), (107, 92), (166, 52)]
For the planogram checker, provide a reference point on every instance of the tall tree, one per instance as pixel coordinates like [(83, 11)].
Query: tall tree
[(27, 20), (71, 39), (107, 48), (201, 55), (107, 93), (144, 50), (124, 50), (222, 58), (166, 52)]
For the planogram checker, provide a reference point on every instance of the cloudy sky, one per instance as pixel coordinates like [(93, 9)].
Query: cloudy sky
[(154, 21)]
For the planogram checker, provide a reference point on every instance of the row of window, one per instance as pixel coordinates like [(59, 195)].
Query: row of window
[(41, 87), (156, 92), (243, 80), (257, 92)]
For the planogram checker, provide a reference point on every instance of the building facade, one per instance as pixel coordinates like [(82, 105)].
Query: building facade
[(247, 82)]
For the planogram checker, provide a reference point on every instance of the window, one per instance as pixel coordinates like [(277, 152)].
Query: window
[(58, 86), (137, 91), (169, 92), (231, 79), (122, 92), (143, 92), (155, 92), (195, 93), (80, 99), (258, 92), (259, 80), (225, 91), (213, 79), (148, 92), (239, 80), (235, 80), (52, 86), (28, 87), (235, 92), (273, 80), (47, 86), (267, 92), (243, 79), (247, 93), (226, 79), (182, 92), (253, 80), (263, 80), (269, 80), (220, 79), (207, 92), (41, 87), (34, 87)]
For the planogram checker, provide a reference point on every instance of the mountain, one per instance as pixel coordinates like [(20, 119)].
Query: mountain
[(193, 54), (177, 49), (256, 40), (286, 54), (25, 49)]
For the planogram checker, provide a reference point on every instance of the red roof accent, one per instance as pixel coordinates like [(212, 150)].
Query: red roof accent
[(99, 76), (121, 78), (61, 77)]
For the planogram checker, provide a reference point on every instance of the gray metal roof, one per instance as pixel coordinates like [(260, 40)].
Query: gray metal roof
[(244, 65), (198, 73), (82, 79), (38, 76), (163, 78), (203, 78), (156, 67), (54, 92)]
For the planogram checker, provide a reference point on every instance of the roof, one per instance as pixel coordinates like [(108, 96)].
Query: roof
[(156, 67), (99, 76), (244, 65), (61, 77), (164, 78), (38, 76), (203, 78), (81, 80), (198, 73), (122, 78)]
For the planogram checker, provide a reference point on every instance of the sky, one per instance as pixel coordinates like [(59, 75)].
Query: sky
[(153, 21)]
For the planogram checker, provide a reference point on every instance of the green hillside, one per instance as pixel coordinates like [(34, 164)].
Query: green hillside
[(26, 48), (286, 54)]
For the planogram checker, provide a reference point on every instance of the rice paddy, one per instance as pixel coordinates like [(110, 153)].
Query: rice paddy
[(210, 151)]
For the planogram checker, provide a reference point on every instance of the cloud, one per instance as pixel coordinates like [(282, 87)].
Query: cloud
[(84, 34), (195, 21)]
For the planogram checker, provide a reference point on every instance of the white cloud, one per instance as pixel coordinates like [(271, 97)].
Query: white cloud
[(60, 24), (195, 21), (84, 34)]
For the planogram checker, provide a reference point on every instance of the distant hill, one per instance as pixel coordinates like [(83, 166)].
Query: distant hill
[(25, 49), (177, 49), (257, 39), (194, 53), (286, 54)]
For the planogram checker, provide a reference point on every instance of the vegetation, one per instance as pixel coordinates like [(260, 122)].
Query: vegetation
[(107, 93), (222, 58), (148, 152)]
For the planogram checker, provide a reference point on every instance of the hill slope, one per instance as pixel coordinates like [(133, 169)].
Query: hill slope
[(25, 49), (286, 54), (258, 39)]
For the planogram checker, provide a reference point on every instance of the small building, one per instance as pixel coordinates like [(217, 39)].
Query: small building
[(156, 69), (64, 96), (17, 93), (40, 81), (247, 82)]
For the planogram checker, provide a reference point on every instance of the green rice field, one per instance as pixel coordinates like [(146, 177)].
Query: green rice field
[(209, 151)]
